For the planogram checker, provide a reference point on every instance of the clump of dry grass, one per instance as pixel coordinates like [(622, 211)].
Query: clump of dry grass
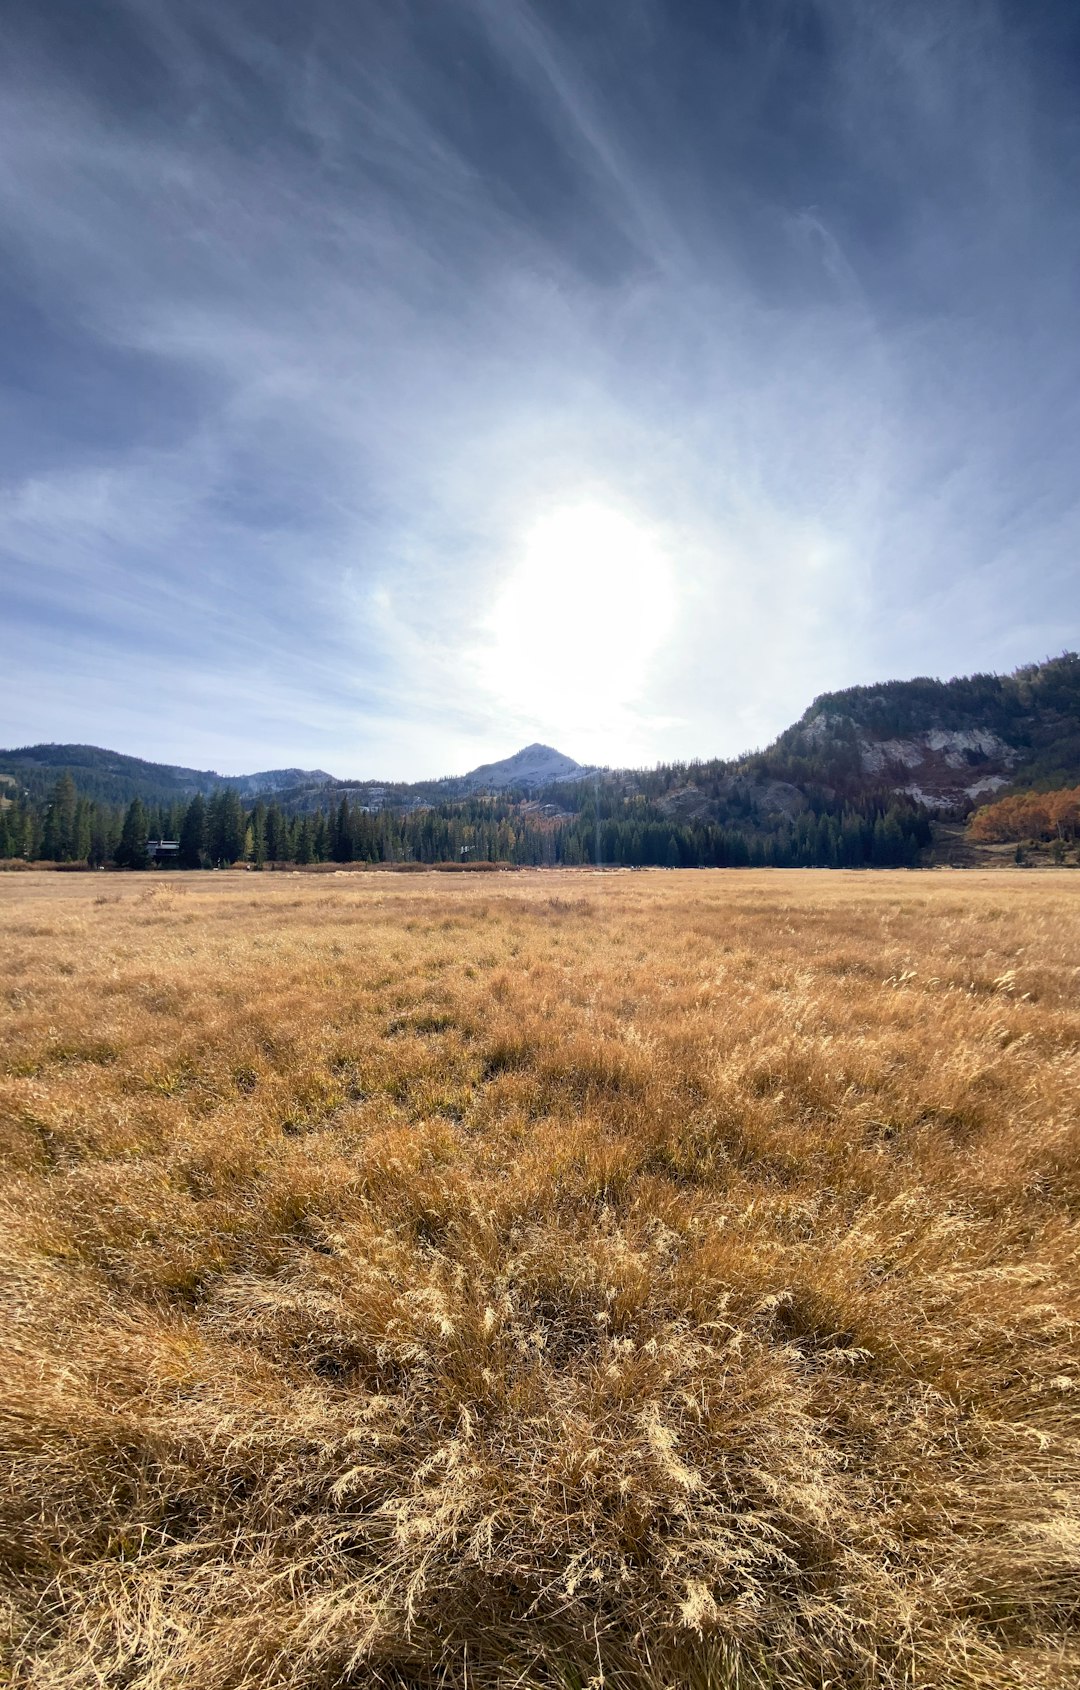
[(639, 1280)]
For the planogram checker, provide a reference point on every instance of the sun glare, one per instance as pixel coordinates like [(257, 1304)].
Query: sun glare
[(581, 617)]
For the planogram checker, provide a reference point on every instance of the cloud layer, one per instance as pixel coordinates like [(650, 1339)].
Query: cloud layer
[(311, 315)]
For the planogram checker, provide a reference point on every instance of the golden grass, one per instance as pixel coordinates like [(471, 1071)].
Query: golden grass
[(639, 1279)]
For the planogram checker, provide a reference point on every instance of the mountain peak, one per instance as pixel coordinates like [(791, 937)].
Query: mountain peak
[(533, 765)]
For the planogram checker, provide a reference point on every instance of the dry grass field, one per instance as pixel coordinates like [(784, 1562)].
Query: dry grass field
[(541, 1280)]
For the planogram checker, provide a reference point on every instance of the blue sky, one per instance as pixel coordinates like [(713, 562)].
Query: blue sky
[(388, 385)]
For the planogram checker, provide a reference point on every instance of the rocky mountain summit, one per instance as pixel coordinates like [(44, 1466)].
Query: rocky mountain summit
[(534, 765)]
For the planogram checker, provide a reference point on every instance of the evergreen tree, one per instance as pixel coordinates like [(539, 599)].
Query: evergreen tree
[(193, 834), (341, 844), (257, 830), (58, 835), (102, 843), (172, 820), (131, 851), (304, 849), (82, 831), (226, 828), (277, 844), (31, 826)]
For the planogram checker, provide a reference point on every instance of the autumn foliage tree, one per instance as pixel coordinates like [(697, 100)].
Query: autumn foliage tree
[(1029, 815)]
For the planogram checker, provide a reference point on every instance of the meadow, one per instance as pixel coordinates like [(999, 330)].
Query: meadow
[(541, 1280)]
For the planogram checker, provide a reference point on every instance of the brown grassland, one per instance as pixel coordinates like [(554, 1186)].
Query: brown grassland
[(541, 1280)]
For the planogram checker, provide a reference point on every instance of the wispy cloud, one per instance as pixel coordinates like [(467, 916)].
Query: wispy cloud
[(322, 309)]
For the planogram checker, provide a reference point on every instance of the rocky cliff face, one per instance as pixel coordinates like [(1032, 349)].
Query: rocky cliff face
[(766, 801), (941, 764), (947, 744), (940, 767)]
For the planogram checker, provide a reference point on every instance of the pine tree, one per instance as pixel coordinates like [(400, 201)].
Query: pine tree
[(225, 828), (235, 829), (824, 843), (31, 832), (193, 834), (895, 844), (215, 826), (58, 837), (131, 851), (257, 830), (101, 841), (277, 845), (341, 847), (82, 831), (305, 845)]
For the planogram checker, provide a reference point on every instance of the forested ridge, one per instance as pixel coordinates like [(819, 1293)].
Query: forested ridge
[(597, 823), (1035, 711), (809, 799), (112, 777)]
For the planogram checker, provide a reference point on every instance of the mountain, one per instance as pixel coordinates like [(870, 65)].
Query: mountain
[(113, 778), (534, 765), (944, 745), (949, 745), (274, 780)]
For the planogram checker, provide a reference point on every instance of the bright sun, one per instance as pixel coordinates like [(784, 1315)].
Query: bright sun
[(580, 618)]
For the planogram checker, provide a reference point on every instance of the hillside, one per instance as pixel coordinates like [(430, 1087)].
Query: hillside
[(944, 745), (113, 778), (947, 744), (853, 783)]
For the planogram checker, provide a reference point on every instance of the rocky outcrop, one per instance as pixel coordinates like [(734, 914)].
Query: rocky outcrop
[(943, 767), (534, 765)]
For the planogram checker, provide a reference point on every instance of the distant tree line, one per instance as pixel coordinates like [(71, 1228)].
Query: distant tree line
[(599, 823)]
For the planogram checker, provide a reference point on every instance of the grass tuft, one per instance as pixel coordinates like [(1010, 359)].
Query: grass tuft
[(671, 1280)]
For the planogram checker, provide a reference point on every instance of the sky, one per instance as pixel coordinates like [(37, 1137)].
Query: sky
[(386, 384)]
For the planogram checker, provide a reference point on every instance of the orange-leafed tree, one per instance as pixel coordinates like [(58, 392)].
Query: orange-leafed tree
[(1029, 815)]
